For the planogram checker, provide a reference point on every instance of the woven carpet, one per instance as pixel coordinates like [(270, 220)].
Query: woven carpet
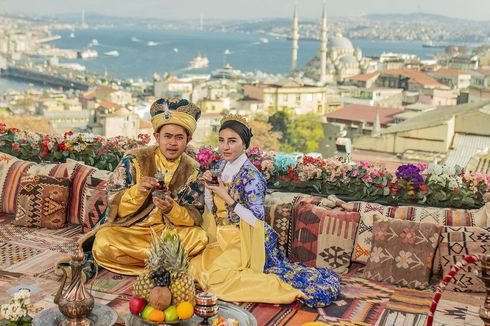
[(27, 257)]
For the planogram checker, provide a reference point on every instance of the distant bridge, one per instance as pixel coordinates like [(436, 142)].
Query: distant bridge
[(42, 78)]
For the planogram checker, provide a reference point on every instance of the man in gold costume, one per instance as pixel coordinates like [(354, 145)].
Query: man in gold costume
[(122, 242)]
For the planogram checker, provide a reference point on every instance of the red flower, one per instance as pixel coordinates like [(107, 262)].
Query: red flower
[(456, 190), (16, 148), (62, 148), (3, 128), (68, 134), (423, 188)]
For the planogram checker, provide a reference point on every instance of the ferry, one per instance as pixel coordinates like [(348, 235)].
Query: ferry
[(201, 61), (151, 43), (87, 54), (113, 53), (264, 40)]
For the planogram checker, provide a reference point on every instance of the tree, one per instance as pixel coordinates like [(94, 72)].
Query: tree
[(305, 133), (280, 121), (264, 137)]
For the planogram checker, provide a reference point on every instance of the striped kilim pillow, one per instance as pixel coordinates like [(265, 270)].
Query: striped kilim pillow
[(42, 201)]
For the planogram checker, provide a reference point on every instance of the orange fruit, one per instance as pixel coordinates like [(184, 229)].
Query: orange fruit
[(156, 315), (185, 310)]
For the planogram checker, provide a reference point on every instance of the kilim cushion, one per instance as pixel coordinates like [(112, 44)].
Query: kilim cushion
[(458, 242), (323, 237), (402, 252), (11, 170), (42, 201), (279, 218), (88, 202), (443, 216)]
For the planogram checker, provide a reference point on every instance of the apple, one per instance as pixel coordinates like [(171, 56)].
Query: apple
[(171, 314), (136, 304), (146, 312)]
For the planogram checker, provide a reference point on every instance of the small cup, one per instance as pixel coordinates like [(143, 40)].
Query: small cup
[(160, 193), (215, 174), (206, 299)]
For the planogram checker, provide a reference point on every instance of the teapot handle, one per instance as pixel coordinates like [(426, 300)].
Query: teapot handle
[(57, 297)]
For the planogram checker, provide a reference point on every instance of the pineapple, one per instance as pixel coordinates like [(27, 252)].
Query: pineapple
[(144, 284), (176, 262)]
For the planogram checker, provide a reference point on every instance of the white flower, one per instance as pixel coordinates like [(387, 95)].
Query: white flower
[(88, 137)]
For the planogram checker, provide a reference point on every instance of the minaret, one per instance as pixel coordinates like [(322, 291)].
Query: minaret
[(294, 38), (323, 46)]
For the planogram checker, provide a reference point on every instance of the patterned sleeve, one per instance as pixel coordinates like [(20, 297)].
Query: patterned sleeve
[(123, 177), (191, 197), (254, 194)]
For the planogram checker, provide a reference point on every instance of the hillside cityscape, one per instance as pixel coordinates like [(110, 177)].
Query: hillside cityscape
[(388, 88)]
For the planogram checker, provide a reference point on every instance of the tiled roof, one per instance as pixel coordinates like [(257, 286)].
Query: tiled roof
[(417, 76), (450, 72), (363, 77), (363, 113)]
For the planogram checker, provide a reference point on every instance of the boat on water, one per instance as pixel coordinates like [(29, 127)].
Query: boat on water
[(227, 72), (151, 43), (87, 54), (201, 61), (176, 50), (94, 42), (135, 39), (431, 44), (72, 35), (113, 53), (263, 40)]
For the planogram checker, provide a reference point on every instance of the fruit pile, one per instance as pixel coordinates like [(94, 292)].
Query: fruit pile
[(165, 292), (222, 321), (139, 306)]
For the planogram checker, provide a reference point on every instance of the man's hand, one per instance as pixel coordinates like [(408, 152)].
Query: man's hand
[(147, 183), (164, 204)]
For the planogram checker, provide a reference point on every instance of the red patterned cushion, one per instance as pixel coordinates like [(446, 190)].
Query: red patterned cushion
[(42, 201), (12, 169), (323, 237), (87, 196)]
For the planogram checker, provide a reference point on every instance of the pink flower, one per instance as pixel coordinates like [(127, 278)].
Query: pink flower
[(367, 178)]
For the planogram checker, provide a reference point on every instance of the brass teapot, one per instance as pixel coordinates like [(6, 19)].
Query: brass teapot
[(76, 303)]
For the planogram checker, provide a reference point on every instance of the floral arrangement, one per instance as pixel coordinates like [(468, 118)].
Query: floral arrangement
[(435, 185), (16, 311), (102, 153)]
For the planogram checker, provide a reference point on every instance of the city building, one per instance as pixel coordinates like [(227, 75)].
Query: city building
[(361, 119), (363, 80), (480, 84), (171, 86), (408, 80), (111, 121), (289, 95), (453, 78), (379, 97), (430, 135), (208, 125), (109, 94)]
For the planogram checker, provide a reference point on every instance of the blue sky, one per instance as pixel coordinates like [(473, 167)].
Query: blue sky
[(186, 9)]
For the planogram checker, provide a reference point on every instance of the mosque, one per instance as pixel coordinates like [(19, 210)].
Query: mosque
[(337, 57)]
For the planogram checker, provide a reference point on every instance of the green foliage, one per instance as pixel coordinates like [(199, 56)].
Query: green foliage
[(305, 133)]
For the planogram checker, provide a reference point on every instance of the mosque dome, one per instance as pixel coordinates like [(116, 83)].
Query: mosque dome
[(339, 42), (349, 60)]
